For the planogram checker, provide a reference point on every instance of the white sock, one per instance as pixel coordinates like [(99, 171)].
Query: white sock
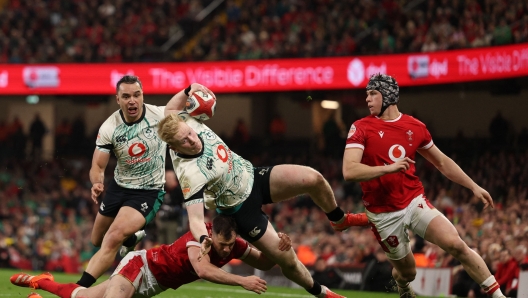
[(492, 287)]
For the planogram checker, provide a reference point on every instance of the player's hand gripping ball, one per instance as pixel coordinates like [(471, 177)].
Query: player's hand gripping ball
[(201, 105)]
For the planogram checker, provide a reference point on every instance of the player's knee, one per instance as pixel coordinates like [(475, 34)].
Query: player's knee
[(456, 247), (114, 239), (288, 264), (408, 275), (314, 178)]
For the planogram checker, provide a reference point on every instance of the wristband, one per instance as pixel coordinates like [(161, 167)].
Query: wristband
[(187, 90), (202, 238)]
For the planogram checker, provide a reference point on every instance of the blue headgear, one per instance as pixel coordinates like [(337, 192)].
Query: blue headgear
[(388, 87)]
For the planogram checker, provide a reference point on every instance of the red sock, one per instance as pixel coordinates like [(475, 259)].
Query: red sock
[(62, 290)]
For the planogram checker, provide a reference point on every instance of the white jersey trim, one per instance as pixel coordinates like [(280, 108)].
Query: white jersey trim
[(393, 120), (355, 145), (193, 243), (246, 253), (429, 145), (102, 149)]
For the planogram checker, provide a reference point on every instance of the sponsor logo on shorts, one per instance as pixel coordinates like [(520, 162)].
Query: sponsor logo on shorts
[(102, 207), (393, 241), (144, 207), (254, 232)]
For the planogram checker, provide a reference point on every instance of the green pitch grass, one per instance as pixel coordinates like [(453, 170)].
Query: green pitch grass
[(198, 289)]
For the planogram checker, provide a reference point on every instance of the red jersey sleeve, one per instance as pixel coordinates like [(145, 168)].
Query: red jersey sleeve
[(241, 249), (427, 141), (356, 136)]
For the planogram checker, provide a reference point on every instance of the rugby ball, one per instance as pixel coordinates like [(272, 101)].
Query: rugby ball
[(201, 105)]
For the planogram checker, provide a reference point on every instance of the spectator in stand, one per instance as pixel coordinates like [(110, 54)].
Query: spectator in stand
[(62, 136), (506, 270), (37, 130), (329, 276), (377, 273), (521, 257)]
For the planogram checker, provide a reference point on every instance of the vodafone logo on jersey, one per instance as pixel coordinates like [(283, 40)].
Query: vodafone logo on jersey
[(396, 153), (136, 151)]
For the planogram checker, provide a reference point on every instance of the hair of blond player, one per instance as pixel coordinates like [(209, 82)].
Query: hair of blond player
[(168, 128)]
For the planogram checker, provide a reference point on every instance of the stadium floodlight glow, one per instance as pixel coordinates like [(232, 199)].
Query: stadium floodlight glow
[(32, 99), (330, 104)]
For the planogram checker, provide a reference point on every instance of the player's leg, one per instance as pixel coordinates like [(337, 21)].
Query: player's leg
[(290, 265), (133, 278), (390, 231), (47, 283), (253, 225), (101, 225), (119, 286), (126, 223), (108, 208), (441, 232), (404, 272), (288, 181)]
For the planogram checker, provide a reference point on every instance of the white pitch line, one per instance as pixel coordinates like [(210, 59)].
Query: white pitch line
[(199, 288)]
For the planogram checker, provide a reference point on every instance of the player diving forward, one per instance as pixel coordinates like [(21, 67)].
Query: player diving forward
[(146, 273), (214, 176)]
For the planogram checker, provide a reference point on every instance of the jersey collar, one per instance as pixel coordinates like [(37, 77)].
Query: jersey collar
[(393, 120), (195, 155), (135, 122)]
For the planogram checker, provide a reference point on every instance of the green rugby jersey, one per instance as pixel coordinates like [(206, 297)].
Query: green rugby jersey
[(139, 150), (225, 177)]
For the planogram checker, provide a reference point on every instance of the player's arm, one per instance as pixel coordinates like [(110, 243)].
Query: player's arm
[(99, 162), (196, 220), (206, 270), (177, 103), (453, 172), (354, 170), (257, 259)]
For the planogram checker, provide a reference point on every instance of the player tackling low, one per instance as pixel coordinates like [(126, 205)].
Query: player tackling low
[(380, 153), (146, 273)]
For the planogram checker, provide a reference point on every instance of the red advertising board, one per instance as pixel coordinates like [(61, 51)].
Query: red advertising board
[(270, 75)]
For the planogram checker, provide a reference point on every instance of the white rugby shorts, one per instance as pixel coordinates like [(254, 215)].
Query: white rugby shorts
[(390, 228), (134, 267)]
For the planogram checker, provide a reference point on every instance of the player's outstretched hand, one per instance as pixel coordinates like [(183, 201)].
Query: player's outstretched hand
[(401, 165), (205, 248), (254, 283), (484, 196), (97, 190), (199, 87), (285, 242)]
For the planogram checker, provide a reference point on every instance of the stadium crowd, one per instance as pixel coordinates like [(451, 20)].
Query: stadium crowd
[(46, 214), (36, 31)]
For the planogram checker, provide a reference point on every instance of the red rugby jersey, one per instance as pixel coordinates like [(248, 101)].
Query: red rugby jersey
[(171, 266), (385, 142)]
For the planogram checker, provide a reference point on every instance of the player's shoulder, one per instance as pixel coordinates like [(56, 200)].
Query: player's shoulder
[(412, 120), (364, 122), (112, 121), (156, 110)]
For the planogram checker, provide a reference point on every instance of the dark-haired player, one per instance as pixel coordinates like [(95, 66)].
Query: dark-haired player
[(380, 152)]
